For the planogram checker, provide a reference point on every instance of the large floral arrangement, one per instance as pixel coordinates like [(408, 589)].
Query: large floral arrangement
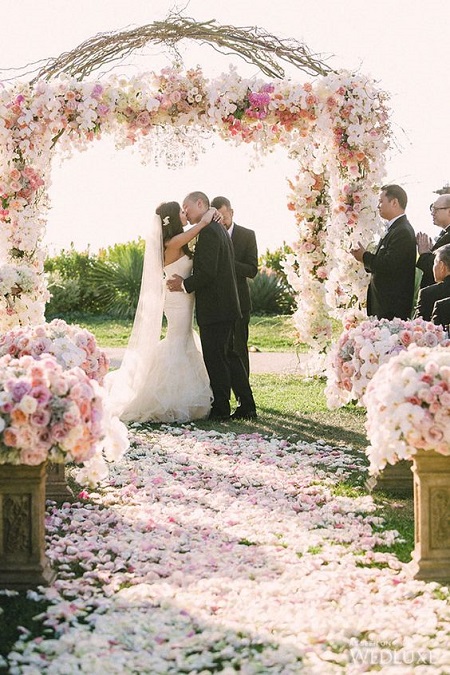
[(56, 414), (335, 129), (70, 344), (47, 412), (408, 406), (361, 350)]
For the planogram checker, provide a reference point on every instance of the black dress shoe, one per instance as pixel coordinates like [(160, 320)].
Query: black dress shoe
[(240, 414), (213, 417)]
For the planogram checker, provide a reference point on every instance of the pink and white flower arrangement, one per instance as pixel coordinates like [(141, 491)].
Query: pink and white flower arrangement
[(51, 413), (70, 344), (408, 406), (335, 129), (360, 351), (47, 412)]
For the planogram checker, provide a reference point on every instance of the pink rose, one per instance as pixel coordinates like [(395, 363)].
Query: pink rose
[(34, 456)]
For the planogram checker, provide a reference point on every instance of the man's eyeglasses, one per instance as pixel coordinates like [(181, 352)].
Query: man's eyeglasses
[(439, 208)]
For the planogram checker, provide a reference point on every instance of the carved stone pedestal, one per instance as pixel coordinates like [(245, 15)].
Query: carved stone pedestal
[(431, 555), (23, 563), (56, 487), (395, 479)]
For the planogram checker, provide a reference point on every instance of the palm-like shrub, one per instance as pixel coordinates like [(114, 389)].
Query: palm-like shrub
[(269, 295), (118, 279), (272, 261), (68, 283), (65, 295)]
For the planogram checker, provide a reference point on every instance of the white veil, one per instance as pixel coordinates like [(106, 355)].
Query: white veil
[(126, 384)]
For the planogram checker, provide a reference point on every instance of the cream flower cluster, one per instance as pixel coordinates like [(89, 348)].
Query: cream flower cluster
[(339, 122), (20, 296), (408, 406), (360, 351), (16, 279)]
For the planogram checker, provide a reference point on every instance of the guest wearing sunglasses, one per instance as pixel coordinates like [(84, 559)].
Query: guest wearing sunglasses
[(440, 211)]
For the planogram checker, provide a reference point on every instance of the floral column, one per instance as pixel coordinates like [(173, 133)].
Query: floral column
[(358, 140), (306, 269)]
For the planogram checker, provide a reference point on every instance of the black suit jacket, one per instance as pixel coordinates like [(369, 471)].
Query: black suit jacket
[(245, 262), (213, 277), (429, 295), (392, 267), (425, 261), (441, 313)]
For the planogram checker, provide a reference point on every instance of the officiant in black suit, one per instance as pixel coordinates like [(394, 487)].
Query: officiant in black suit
[(246, 266), (217, 307), (392, 266), (438, 291), (440, 211)]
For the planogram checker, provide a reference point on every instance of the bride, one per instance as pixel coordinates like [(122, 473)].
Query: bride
[(164, 380)]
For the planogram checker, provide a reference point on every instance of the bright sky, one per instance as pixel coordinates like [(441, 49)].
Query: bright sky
[(105, 196)]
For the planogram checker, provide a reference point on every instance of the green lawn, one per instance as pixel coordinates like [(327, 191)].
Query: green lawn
[(267, 333)]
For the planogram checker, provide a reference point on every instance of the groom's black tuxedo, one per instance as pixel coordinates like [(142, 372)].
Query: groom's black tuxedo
[(213, 277), (217, 307), (392, 266)]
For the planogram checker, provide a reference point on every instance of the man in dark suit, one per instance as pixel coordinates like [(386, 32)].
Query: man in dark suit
[(441, 313), (438, 291), (440, 210), (392, 266), (246, 266), (217, 307)]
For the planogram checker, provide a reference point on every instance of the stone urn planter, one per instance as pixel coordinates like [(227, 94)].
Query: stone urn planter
[(23, 563), (431, 555), (56, 488), (395, 480)]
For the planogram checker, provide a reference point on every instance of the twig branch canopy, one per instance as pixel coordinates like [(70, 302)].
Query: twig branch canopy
[(254, 45)]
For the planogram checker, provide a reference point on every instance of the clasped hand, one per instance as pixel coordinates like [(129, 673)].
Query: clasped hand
[(358, 252), (174, 283), (424, 243)]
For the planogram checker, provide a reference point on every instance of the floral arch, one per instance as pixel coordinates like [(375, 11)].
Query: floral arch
[(335, 128)]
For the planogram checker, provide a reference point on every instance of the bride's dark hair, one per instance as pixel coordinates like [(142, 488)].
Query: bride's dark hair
[(169, 212)]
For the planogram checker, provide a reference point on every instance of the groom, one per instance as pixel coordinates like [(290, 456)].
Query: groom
[(217, 307)]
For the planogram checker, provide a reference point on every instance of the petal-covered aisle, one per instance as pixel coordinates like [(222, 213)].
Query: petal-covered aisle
[(211, 552)]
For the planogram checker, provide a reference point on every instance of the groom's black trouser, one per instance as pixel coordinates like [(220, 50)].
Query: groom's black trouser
[(215, 338), (225, 368)]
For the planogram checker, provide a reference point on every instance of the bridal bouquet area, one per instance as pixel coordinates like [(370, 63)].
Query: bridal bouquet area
[(209, 552)]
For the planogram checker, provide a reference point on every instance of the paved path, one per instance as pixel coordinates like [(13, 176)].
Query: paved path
[(283, 363)]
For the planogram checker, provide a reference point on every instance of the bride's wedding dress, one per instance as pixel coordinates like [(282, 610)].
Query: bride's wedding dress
[(172, 385), (178, 384)]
